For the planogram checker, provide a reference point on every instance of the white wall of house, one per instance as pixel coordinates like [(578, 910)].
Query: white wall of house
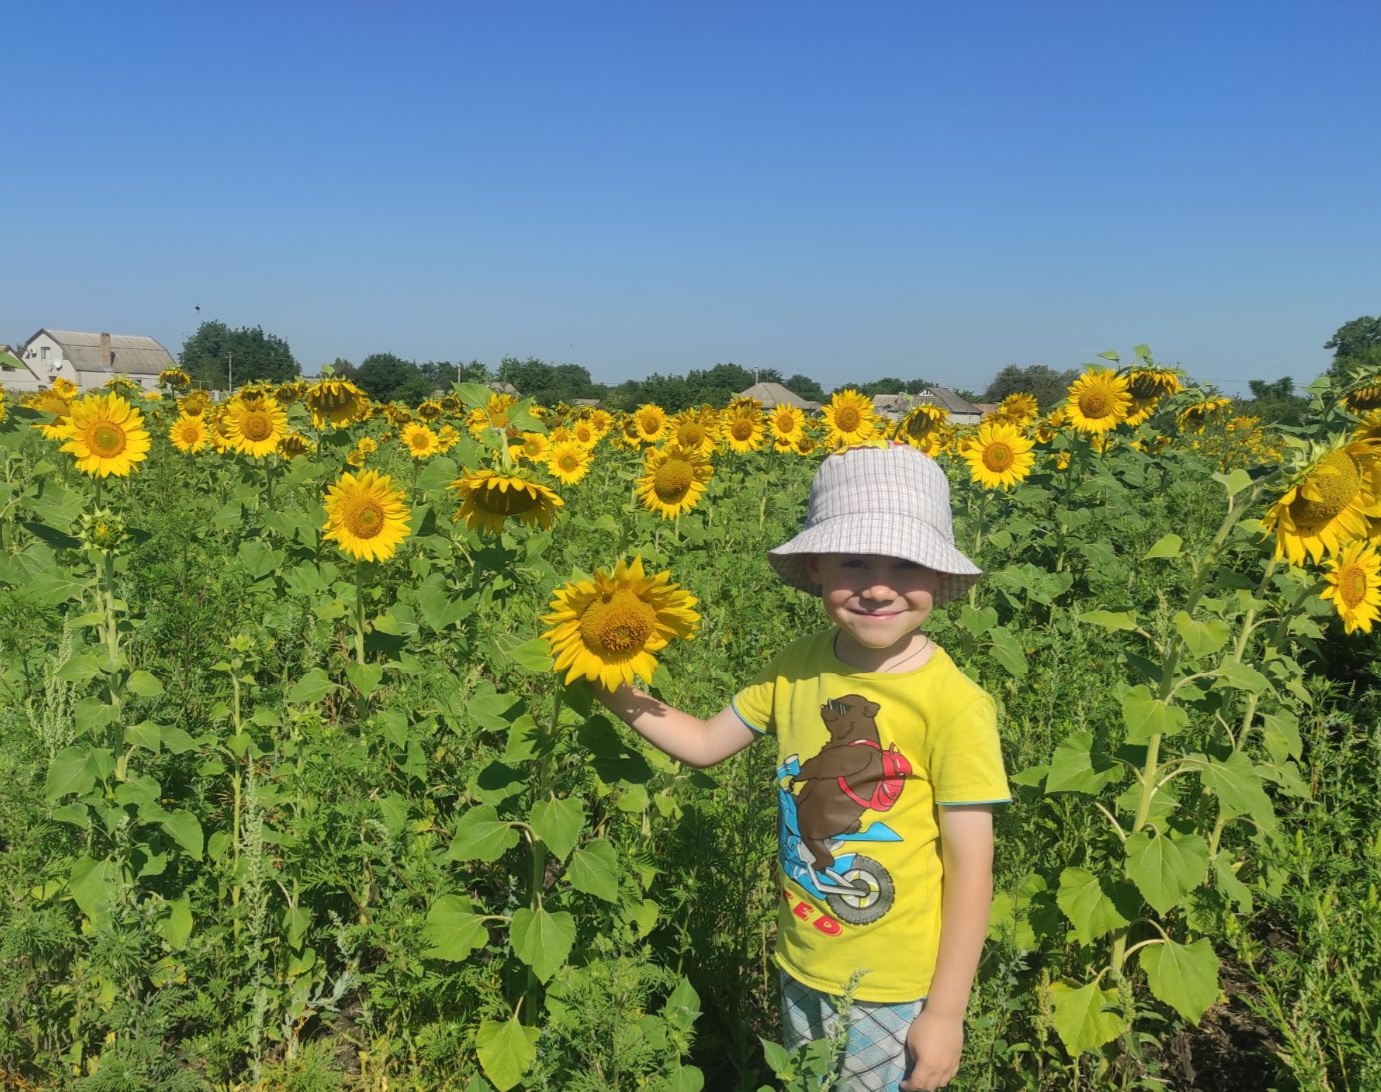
[(44, 358)]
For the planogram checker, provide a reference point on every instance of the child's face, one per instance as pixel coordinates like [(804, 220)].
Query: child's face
[(878, 601)]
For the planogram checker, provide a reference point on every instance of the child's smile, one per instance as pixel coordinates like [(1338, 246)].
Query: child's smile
[(879, 603)]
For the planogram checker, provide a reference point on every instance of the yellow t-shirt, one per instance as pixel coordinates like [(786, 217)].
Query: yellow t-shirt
[(868, 757)]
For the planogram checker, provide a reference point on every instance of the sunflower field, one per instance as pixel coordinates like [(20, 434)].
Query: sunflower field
[(303, 786)]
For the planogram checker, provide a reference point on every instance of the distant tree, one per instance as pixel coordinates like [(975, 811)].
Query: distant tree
[(389, 378), (342, 368), (1048, 385), (209, 355), (803, 386), (440, 374), (969, 396), (1274, 403), (1356, 344), (546, 383)]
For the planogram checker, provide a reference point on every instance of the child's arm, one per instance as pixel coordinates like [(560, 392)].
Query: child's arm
[(936, 1038), (686, 738)]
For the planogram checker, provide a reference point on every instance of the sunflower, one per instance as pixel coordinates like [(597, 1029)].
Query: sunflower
[(788, 424), (606, 629), (534, 447), (421, 442), (288, 393), (335, 402), (123, 385), (294, 444), (584, 433), (923, 427), (695, 430), (569, 461), (105, 434), (1354, 585), (429, 410), (194, 404), (998, 455), (1141, 409), (1329, 504), (65, 388), (602, 419), (494, 414), (53, 402), (254, 425), (1195, 416), (849, 418), (650, 423), (743, 429), (215, 422), (189, 434), (153, 396), (1018, 408), (1098, 401), (806, 444), (447, 437), (488, 498), (1148, 383), (366, 516), (174, 378), (450, 403), (673, 479)]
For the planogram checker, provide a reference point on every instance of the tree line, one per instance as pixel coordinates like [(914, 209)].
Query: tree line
[(211, 354)]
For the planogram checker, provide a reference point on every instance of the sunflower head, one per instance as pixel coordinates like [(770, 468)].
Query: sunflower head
[(608, 628), (365, 516), (849, 418), (103, 531), (1329, 502), (649, 423), (421, 442), (742, 429), (1365, 397), (336, 403), (999, 455), (673, 479), (189, 434), (1098, 401), (1147, 384), (1354, 585), (105, 434), (294, 444), (1018, 408), (569, 461), (175, 379), (489, 498), (255, 423), (429, 410), (1196, 415)]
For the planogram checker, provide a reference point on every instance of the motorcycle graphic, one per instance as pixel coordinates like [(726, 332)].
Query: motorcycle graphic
[(857, 889)]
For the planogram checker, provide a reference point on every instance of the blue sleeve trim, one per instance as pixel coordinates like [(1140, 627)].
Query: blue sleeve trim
[(962, 803), (746, 722)]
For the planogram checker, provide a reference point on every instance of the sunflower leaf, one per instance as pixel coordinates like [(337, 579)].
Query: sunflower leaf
[(1006, 649), (1146, 716), (506, 1049), (1237, 784), (1110, 619), (1085, 1017), (453, 929), (1234, 482), (594, 869), (542, 939), (1080, 766), (1170, 545), (1093, 905), (1201, 638), (559, 823), (1184, 976), (534, 655), (1166, 868), (481, 836)]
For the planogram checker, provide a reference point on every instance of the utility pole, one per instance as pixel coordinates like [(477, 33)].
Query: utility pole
[(230, 372)]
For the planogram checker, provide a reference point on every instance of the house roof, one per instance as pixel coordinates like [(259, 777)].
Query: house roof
[(947, 399), (774, 394), (134, 354), (893, 404), (9, 361)]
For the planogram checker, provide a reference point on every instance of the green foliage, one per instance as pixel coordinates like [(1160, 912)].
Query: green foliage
[(548, 384), (210, 354), (388, 378), (1356, 346), (1044, 382)]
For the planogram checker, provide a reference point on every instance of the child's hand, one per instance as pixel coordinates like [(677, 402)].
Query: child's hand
[(933, 1045)]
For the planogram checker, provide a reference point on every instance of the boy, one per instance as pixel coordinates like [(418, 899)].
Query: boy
[(882, 743)]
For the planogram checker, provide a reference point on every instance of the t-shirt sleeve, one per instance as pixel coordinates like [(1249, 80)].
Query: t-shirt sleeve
[(966, 758), (754, 703)]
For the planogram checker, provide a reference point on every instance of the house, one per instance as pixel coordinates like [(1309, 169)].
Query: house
[(90, 359), (893, 406), (961, 410), (12, 369), (774, 394)]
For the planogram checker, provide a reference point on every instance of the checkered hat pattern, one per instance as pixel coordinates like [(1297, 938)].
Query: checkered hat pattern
[(892, 501)]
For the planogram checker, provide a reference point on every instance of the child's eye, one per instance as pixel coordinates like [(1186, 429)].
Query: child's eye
[(853, 563)]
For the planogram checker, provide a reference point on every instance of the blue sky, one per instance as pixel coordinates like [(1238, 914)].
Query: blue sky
[(844, 190)]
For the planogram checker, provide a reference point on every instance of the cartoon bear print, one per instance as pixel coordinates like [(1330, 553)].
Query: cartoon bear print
[(850, 774)]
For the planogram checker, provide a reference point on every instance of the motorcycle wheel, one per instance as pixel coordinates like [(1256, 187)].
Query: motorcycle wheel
[(876, 892)]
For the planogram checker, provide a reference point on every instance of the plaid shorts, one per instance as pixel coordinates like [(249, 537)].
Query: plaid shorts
[(874, 1059)]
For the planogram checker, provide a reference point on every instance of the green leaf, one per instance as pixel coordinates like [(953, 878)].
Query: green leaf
[(1110, 619), (70, 772), (1229, 884), (183, 827), (394, 809), (1184, 976), (1237, 784), (1079, 766), (1202, 638), (534, 655), (312, 687), (145, 734), (176, 928), (1239, 676), (1165, 868), (439, 472), (559, 823), (506, 1051), (144, 684), (364, 677), (453, 929), (1234, 482), (1170, 545), (481, 836), (594, 869), (1085, 1017), (977, 620), (1091, 904), (79, 668), (541, 939), (90, 883), (1146, 716), (1007, 650), (1280, 731), (642, 915), (176, 740)]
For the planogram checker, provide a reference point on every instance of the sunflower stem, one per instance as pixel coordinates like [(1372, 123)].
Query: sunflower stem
[(541, 790)]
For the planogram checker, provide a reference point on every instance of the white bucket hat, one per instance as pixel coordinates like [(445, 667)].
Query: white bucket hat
[(891, 501)]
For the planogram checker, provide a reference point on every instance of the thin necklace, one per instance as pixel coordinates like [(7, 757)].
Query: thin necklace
[(925, 644)]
